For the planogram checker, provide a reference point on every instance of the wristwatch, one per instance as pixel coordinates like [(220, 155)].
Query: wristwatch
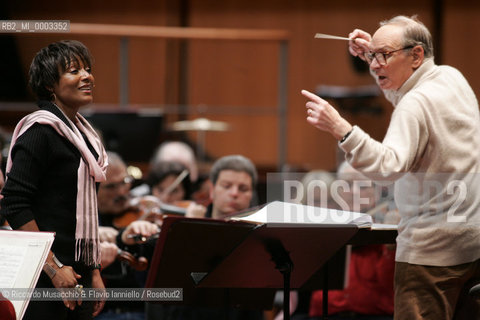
[(49, 270), (57, 262), (346, 136)]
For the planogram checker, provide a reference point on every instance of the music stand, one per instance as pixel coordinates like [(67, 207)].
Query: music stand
[(242, 255), (198, 245)]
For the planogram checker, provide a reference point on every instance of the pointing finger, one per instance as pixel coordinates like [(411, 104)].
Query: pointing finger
[(312, 96)]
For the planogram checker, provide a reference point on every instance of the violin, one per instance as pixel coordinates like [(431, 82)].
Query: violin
[(148, 208), (178, 208), (139, 264)]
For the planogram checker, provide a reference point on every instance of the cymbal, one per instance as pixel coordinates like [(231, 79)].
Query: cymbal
[(200, 124)]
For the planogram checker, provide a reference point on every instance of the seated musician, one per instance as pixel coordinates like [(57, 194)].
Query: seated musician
[(180, 152), (169, 181), (234, 180), (171, 151), (177, 151), (113, 203)]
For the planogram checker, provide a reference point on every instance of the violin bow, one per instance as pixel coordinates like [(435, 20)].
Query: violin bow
[(177, 181)]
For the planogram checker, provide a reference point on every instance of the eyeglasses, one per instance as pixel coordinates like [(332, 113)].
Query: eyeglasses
[(382, 56), (115, 185)]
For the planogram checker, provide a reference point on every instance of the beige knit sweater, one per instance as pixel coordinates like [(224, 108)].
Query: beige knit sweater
[(432, 153)]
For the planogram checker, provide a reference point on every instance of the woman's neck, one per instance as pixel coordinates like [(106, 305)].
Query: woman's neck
[(70, 113)]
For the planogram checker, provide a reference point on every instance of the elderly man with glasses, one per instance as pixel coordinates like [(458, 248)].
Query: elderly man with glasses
[(431, 151)]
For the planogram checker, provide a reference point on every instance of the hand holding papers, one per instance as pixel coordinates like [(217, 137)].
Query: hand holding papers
[(278, 212)]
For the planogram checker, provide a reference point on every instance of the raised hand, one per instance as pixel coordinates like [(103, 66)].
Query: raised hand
[(360, 43), (323, 116)]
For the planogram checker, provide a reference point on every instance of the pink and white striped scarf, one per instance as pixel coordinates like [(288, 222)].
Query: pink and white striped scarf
[(90, 170)]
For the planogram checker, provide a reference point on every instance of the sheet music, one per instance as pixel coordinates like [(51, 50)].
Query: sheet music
[(383, 226), (22, 255), (284, 212), (11, 258)]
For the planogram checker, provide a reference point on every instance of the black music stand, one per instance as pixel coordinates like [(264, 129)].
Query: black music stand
[(199, 254), (187, 246)]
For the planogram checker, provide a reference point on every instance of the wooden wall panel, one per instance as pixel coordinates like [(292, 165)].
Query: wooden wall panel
[(312, 62), (146, 56), (233, 75), (239, 75), (461, 39)]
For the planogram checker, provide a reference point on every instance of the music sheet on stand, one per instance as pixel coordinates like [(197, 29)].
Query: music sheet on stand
[(22, 255), (11, 259)]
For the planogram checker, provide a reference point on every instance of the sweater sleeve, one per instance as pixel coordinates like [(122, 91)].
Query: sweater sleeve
[(404, 142), (29, 161)]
